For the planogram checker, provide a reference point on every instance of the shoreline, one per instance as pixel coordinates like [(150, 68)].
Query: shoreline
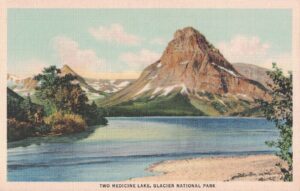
[(260, 167)]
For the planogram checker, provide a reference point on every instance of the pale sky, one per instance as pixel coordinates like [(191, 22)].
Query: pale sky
[(120, 43)]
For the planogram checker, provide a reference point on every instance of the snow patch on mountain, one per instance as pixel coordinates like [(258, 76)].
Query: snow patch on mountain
[(184, 89), (158, 65), (184, 62), (226, 70), (123, 84), (146, 88), (168, 90), (109, 86), (158, 89)]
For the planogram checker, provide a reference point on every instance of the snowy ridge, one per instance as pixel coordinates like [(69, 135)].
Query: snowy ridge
[(109, 86), (226, 70), (123, 84)]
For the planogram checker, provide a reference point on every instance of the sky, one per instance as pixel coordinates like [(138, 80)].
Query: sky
[(120, 43)]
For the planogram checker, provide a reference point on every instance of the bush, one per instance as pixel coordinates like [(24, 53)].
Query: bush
[(219, 107), (42, 129), (65, 123), (94, 115), (17, 130)]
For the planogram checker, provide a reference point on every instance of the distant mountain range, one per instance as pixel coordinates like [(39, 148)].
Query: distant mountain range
[(95, 88), (192, 77), (108, 85)]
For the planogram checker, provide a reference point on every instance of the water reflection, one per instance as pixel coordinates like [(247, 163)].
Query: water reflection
[(54, 139)]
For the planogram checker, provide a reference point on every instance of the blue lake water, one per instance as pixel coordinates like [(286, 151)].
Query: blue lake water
[(127, 146)]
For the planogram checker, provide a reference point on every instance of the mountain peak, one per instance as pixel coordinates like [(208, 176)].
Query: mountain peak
[(187, 32), (189, 45), (189, 39), (67, 70), (66, 67)]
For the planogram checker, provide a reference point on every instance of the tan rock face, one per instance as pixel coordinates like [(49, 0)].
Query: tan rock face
[(191, 60)]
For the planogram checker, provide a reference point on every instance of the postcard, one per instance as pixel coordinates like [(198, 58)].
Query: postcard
[(133, 95)]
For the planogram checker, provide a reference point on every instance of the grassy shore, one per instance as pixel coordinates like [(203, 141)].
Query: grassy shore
[(238, 168)]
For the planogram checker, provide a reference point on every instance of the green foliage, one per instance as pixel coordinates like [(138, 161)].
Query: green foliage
[(280, 111), (63, 95), (174, 105), (219, 107), (23, 116), (29, 108), (94, 115), (59, 92), (41, 129), (70, 99), (48, 84), (65, 123), (14, 108)]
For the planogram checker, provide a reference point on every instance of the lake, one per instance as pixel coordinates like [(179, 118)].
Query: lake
[(128, 145)]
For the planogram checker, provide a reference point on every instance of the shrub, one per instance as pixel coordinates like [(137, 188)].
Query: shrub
[(17, 130), (219, 107), (65, 123), (42, 129), (94, 115)]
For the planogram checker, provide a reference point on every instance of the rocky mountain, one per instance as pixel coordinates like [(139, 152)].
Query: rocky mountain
[(254, 72), (192, 77)]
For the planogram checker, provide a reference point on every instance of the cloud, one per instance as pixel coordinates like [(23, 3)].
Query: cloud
[(158, 41), (27, 68), (139, 60), (244, 49), (81, 60), (114, 33), (250, 49)]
